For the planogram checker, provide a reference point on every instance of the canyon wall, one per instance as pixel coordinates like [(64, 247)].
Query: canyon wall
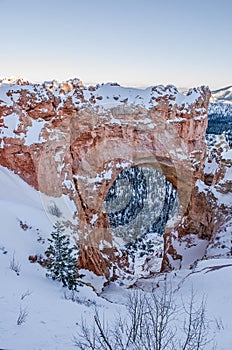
[(66, 138)]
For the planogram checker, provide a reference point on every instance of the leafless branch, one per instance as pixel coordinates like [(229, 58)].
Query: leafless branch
[(150, 324), (22, 316), (15, 265)]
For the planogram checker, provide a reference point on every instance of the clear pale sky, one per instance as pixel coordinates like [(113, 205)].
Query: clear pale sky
[(133, 42)]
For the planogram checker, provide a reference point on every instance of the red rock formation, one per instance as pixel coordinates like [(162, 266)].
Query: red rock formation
[(66, 138)]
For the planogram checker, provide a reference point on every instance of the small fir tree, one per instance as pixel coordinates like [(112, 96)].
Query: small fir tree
[(62, 259)]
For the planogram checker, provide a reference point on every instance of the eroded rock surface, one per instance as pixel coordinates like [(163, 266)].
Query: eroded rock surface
[(72, 139)]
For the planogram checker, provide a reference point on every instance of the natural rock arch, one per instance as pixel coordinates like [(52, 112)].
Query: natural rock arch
[(89, 134), (103, 152)]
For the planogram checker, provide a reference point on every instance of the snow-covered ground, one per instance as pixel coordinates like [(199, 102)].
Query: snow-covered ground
[(50, 319)]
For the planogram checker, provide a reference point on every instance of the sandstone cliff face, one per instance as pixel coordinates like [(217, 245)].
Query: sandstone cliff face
[(209, 212), (72, 139)]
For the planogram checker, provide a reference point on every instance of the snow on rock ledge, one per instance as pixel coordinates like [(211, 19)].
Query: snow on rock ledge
[(67, 138)]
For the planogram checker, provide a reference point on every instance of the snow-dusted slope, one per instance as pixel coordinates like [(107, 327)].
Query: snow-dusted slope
[(222, 95), (221, 102), (51, 320)]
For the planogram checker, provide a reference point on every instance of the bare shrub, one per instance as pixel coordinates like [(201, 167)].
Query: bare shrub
[(26, 294), (15, 265), (22, 316), (219, 324), (195, 325), (152, 322), (73, 296), (54, 210)]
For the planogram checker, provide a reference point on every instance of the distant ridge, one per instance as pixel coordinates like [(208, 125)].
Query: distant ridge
[(223, 95)]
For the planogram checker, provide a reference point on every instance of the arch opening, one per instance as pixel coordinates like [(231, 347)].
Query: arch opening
[(140, 203)]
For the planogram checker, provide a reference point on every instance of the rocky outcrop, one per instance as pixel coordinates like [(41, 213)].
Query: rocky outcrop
[(68, 138), (209, 212)]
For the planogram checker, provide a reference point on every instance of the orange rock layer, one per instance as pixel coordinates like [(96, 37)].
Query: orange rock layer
[(72, 139)]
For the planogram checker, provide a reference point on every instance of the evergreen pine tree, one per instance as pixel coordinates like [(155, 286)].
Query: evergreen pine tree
[(62, 259)]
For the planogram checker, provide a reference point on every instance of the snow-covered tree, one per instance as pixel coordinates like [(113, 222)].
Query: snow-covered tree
[(62, 259)]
